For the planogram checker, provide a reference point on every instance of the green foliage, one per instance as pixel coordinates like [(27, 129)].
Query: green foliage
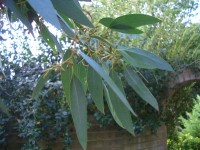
[(90, 48), (46, 10), (41, 82), (12, 7), (78, 107), (50, 39), (95, 86), (191, 121), (107, 78), (103, 120), (3, 108), (144, 59), (72, 9), (129, 23), (118, 110), (137, 84), (175, 39), (34, 120), (66, 76), (174, 108), (188, 134), (185, 142), (3, 121)]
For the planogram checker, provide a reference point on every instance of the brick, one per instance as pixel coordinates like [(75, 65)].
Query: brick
[(107, 139)]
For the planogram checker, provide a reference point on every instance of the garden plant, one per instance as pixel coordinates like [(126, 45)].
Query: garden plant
[(92, 62)]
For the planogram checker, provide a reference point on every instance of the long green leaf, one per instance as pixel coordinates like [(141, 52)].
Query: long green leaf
[(139, 87), (95, 87), (68, 21), (106, 21), (46, 10), (111, 107), (79, 110), (41, 82), (107, 78), (119, 111), (120, 28), (50, 39), (144, 59), (137, 62), (65, 26), (46, 34), (133, 21), (71, 10), (57, 44), (77, 3), (81, 73), (17, 12), (66, 77), (128, 23)]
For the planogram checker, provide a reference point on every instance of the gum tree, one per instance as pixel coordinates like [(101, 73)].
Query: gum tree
[(90, 64)]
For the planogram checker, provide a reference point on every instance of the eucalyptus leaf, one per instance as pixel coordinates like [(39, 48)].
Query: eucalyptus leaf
[(17, 11), (9, 12), (107, 78), (95, 87), (66, 77), (48, 37), (128, 23), (120, 28), (106, 21), (133, 21), (79, 110), (139, 87), (66, 27), (68, 21), (57, 44), (77, 3), (72, 10), (119, 111), (111, 107), (144, 59), (41, 82), (81, 73), (46, 10)]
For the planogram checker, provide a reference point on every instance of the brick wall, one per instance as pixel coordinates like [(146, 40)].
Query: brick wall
[(107, 139), (113, 139)]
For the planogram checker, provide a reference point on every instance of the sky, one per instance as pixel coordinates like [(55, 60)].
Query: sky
[(196, 19)]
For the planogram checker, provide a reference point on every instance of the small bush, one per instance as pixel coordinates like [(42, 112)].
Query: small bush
[(189, 135), (191, 121), (184, 142)]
